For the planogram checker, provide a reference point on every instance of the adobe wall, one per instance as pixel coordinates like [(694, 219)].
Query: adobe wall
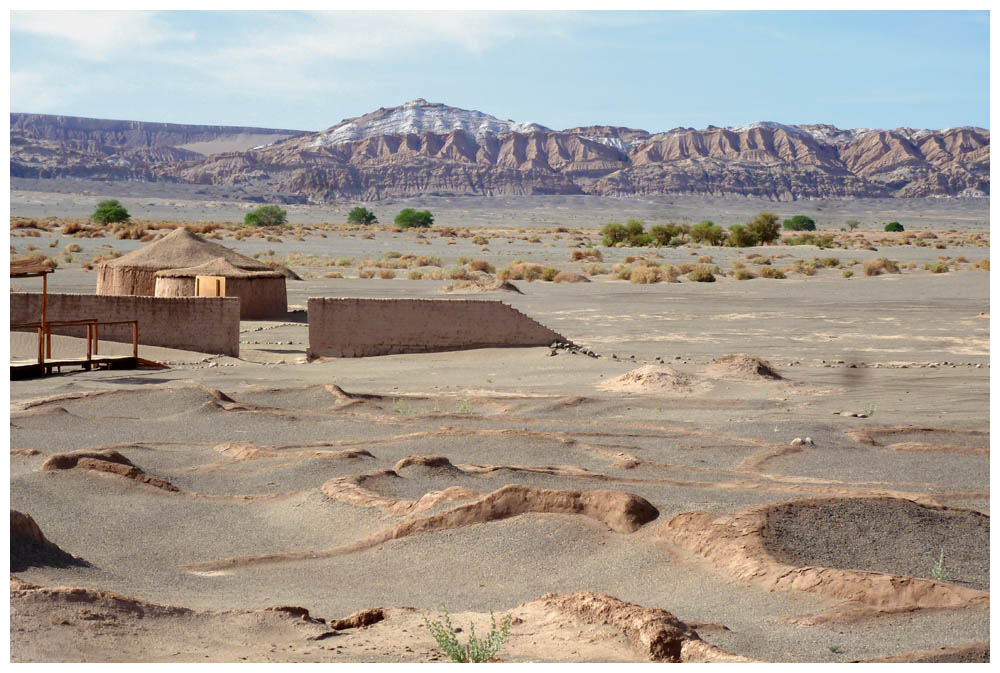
[(202, 324), (363, 327)]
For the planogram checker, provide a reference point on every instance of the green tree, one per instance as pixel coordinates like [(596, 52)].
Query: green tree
[(109, 212), (894, 226), (266, 216), (764, 227), (613, 233), (799, 223), (852, 224), (707, 232), (740, 237), (663, 234), (408, 217), (359, 215)]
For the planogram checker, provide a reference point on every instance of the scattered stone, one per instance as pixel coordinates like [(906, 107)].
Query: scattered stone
[(809, 441), (797, 441)]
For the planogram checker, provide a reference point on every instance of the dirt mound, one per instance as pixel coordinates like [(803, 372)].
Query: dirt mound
[(358, 619), (478, 285), (743, 366), (362, 490), (570, 277), (736, 545), (436, 463), (655, 632), (650, 378), (109, 461), (29, 548), (849, 533), (969, 653)]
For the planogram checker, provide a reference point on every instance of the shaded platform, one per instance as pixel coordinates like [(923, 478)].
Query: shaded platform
[(27, 369)]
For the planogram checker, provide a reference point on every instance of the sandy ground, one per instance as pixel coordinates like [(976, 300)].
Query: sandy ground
[(252, 482)]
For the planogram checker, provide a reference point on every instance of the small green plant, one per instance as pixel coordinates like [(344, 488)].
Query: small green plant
[(464, 407), (476, 651), (938, 572), (360, 215), (894, 226), (869, 409), (409, 218), (836, 649), (401, 407)]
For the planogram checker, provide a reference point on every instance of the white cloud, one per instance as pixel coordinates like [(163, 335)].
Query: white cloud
[(96, 35)]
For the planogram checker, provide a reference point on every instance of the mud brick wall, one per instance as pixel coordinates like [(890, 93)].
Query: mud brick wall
[(202, 324), (363, 327)]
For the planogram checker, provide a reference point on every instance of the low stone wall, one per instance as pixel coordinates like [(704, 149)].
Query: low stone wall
[(363, 327), (202, 324)]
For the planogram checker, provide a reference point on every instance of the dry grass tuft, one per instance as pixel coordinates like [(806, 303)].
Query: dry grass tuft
[(588, 255), (879, 266)]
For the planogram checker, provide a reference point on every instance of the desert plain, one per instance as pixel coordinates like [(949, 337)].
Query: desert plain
[(791, 469)]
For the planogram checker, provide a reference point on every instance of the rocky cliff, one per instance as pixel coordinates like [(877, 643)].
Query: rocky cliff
[(428, 148)]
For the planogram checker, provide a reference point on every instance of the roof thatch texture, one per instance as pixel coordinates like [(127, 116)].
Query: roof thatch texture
[(32, 265), (218, 267), (181, 249)]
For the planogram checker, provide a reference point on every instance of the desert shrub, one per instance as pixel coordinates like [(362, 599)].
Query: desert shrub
[(589, 255), (456, 272), (479, 239), (110, 212), (345, 261), (266, 216), (366, 273), (667, 234), (621, 271), (392, 254), (73, 247), (631, 234), (415, 275), (740, 237), (804, 267), (982, 264), (706, 232), (409, 218), (799, 223), (361, 215), (645, 275), (764, 227), (532, 272), (760, 259), (386, 274), (894, 226), (879, 266), (705, 259), (743, 273), (71, 228), (961, 259), (703, 274), (476, 651), (828, 262), (133, 233), (852, 224), (481, 265), (770, 272), (549, 273), (936, 267), (847, 273), (670, 273), (333, 274), (595, 269)]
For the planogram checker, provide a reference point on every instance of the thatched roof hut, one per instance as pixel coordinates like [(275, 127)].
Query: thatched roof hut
[(135, 273), (262, 293)]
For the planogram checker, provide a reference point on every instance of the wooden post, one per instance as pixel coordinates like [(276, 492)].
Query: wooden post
[(48, 334), (41, 350), (135, 339), (88, 341), (96, 337)]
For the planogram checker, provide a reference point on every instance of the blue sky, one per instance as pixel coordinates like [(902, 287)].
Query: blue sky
[(651, 70)]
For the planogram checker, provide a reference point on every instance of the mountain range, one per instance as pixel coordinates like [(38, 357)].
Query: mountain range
[(422, 148)]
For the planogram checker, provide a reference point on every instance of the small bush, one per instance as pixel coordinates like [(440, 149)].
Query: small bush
[(760, 260), (456, 272), (549, 272), (705, 259), (668, 234), (590, 255), (894, 226), (481, 265), (570, 277), (982, 264), (386, 274), (266, 216), (743, 274), (73, 247), (595, 270), (740, 237), (480, 240), (360, 215), (333, 274), (828, 262), (847, 273), (621, 271), (799, 223), (764, 227), (645, 275), (476, 651), (366, 273), (879, 266), (770, 272), (936, 267), (703, 274)]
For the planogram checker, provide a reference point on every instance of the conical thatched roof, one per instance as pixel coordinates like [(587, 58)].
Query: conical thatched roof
[(180, 249), (219, 266)]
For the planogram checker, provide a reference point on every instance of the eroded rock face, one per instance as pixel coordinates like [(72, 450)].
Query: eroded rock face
[(429, 148)]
